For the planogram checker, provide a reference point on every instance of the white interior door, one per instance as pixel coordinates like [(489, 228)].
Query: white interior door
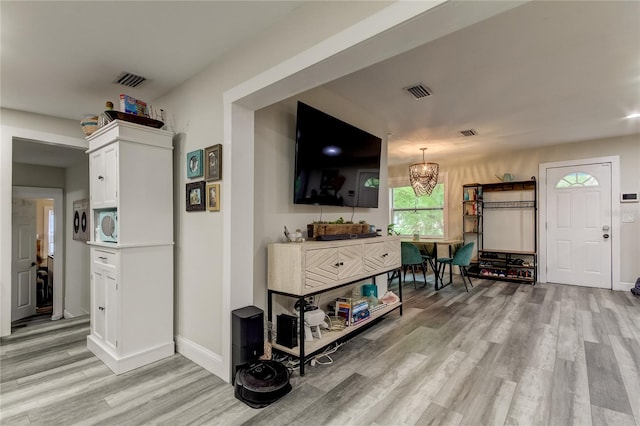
[(579, 225), (23, 256)]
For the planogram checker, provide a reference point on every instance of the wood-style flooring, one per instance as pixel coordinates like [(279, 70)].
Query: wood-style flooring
[(502, 354)]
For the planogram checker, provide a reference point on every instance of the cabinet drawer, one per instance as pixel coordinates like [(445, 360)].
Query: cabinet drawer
[(107, 258)]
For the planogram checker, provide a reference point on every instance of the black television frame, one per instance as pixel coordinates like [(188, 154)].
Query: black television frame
[(348, 176)]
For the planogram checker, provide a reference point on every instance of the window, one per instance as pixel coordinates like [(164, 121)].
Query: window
[(418, 215), (577, 180)]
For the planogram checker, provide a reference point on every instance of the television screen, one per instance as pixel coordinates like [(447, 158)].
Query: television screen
[(337, 164)]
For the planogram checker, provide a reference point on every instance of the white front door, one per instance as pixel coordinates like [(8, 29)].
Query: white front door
[(23, 256), (579, 225)]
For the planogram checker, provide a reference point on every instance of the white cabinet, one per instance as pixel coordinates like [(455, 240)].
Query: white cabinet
[(105, 303), (302, 268), (130, 167)]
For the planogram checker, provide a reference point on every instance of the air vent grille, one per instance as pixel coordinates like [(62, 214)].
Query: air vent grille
[(469, 132), (418, 91), (129, 80)]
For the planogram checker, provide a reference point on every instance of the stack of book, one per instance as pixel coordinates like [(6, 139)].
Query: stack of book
[(353, 311)]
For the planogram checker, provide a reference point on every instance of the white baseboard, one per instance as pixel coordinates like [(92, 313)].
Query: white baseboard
[(120, 364), (622, 286), (205, 358), (68, 314)]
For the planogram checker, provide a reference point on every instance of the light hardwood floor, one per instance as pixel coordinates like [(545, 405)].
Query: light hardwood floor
[(502, 354)]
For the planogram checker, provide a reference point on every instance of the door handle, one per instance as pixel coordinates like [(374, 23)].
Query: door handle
[(605, 236), (33, 264), (100, 177), (101, 308)]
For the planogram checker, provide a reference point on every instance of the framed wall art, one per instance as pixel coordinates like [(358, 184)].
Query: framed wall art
[(195, 196), (213, 197), (213, 162), (194, 164)]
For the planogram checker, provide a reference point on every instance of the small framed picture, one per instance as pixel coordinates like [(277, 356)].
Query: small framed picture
[(194, 164), (213, 197), (213, 162), (196, 196)]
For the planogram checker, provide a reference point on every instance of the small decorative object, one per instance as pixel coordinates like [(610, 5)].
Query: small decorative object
[(287, 235), (507, 177), (213, 166), (195, 196), (423, 176), (194, 164), (298, 236), (103, 118), (81, 220), (89, 124), (213, 197)]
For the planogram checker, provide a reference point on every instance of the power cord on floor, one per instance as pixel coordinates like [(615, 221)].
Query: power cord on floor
[(318, 359)]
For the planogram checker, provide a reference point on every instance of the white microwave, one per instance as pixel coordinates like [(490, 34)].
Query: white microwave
[(108, 226)]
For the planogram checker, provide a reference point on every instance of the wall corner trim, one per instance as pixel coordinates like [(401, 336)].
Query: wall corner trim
[(202, 356)]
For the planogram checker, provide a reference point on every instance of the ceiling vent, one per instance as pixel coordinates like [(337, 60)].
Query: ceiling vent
[(469, 132), (129, 80), (418, 91)]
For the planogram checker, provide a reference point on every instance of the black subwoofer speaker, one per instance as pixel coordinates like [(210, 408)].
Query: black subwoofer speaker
[(287, 330)]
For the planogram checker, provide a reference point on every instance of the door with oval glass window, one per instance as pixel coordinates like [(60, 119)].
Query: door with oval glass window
[(579, 225)]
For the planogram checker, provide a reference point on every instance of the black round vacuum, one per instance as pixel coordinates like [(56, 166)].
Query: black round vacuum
[(262, 383)]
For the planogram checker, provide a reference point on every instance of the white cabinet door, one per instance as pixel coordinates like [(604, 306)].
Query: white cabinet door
[(325, 266), (104, 177), (321, 267), (98, 302), (381, 255), (96, 164), (111, 310), (350, 262), (110, 175)]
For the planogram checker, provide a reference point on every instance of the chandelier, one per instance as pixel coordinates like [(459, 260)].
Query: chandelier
[(423, 176)]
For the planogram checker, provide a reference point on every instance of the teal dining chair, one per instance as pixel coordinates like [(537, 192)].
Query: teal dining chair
[(411, 257), (461, 259)]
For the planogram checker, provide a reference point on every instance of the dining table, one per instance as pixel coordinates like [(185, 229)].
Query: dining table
[(421, 243)]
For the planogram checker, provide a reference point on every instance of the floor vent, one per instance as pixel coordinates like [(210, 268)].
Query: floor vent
[(129, 80), (469, 132), (418, 91)]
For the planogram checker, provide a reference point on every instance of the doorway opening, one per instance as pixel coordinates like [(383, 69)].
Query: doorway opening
[(37, 254)]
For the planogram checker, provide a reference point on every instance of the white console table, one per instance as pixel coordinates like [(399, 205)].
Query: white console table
[(305, 269)]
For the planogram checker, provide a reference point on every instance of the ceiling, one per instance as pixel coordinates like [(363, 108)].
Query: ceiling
[(538, 74)]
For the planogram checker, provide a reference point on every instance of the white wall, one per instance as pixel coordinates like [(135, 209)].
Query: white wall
[(304, 51), (524, 164), (274, 169), (77, 254)]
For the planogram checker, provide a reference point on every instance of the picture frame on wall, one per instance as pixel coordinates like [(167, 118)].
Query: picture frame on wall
[(213, 197), (194, 164), (195, 196), (213, 162)]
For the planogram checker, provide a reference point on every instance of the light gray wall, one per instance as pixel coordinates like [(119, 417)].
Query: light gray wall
[(38, 176), (195, 114), (274, 168), (524, 164), (77, 254)]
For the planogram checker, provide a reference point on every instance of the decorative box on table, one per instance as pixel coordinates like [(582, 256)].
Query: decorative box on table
[(315, 230)]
